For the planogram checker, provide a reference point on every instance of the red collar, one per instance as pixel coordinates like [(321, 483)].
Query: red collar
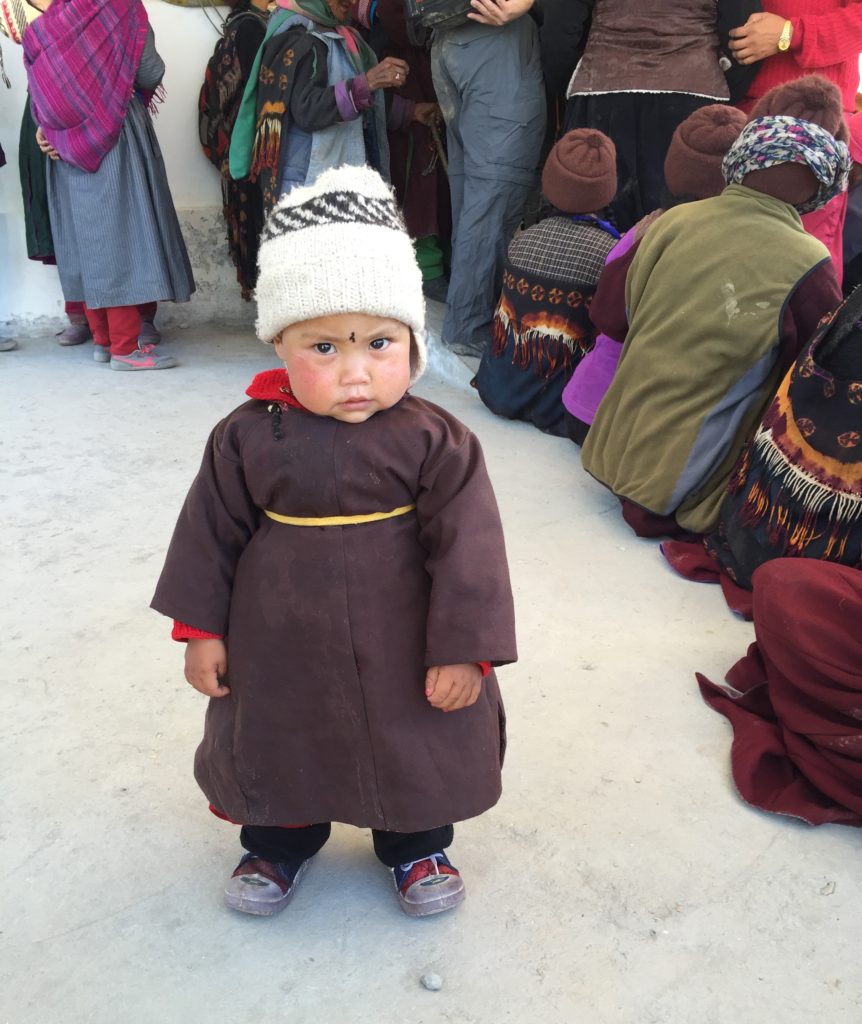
[(273, 386)]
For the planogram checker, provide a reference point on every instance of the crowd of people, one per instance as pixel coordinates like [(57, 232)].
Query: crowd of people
[(671, 301)]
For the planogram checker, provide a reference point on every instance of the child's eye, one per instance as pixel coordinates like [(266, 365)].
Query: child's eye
[(379, 344), (325, 348)]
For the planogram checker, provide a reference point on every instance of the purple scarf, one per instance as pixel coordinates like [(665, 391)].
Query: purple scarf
[(81, 58)]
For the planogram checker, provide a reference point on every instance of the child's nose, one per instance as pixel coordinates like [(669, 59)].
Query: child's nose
[(355, 370)]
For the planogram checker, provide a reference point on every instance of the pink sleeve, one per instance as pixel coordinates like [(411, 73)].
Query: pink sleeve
[(823, 39)]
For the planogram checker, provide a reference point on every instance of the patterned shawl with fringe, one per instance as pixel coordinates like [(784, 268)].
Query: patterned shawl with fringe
[(81, 58), (797, 488)]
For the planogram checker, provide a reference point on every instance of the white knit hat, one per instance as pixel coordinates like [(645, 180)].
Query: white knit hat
[(339, 246)]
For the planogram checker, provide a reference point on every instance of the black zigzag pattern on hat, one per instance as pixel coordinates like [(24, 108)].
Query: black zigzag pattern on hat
[(334, 208)]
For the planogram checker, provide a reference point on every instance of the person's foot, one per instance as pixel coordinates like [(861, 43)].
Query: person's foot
[(7, 344), (428, 886), (467, 348), (437, 289), (262, 887), (74, 334), (142, 359), (101, 354), (150, 334)]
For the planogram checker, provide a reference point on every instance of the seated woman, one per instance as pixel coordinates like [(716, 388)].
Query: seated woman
[(312, 101), (692, 170), (722, 295), (794, 699), (796, 490), (541, 328)]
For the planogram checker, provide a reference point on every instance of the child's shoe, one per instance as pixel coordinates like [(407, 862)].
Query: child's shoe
[(428, 886), (262, 887), (101, 354), (142, 359)]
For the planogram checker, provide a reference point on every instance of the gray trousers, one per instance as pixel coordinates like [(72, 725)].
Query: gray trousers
[(489, 86)]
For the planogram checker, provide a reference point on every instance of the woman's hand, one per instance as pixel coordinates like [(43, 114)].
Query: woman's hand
[(757, 38), (45, 145), (206, 664), (451, 687), (498, 12), (390, 73), (427, 114)]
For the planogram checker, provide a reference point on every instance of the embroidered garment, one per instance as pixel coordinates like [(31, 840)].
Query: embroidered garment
[(797, 488), (769, 141), (541, 327), (81, 58)]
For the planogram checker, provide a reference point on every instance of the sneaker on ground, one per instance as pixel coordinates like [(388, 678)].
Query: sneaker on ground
[(150, 334), (143, 358), (428, 886), (101, 354), (8, 344), (74, 334), (262, 887)]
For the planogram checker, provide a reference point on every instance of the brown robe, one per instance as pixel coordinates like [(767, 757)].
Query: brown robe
[(330, 629)]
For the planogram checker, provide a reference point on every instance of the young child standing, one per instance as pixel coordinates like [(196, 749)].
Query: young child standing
[(339, 571)]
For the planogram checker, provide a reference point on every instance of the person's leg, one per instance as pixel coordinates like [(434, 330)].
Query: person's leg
[(150, 334), (274, 843), (490, 213), (124, 326), (394, 848), (266, 878), (97, 319), (127, 353), (425, 880), (501, 124)]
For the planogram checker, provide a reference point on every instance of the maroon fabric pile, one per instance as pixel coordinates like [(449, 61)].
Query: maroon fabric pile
[(795, 699)]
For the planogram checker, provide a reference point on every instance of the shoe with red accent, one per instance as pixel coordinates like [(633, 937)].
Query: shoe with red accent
[(428, 886), (143, 358), (262, 887)]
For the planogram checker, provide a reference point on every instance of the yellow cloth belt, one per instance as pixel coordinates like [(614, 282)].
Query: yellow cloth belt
[(372, 517)]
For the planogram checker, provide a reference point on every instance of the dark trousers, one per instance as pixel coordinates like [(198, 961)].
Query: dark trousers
[(274, 843)]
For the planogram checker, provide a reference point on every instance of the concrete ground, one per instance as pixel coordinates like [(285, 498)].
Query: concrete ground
[(619, 881)]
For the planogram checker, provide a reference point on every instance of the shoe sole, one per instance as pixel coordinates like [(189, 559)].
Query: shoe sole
[(117, 365), (433, 907), (246, 906)]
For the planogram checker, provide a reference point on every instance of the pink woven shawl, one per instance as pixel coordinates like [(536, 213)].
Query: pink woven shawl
[(81, 58)]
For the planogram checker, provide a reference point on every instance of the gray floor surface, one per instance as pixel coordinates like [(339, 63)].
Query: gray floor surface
[(619, 881)]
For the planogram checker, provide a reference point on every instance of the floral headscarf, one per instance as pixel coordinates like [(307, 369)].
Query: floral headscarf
[(779, 139)]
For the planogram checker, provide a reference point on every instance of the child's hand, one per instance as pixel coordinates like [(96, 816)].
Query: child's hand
[(206, 661), (450, 687)]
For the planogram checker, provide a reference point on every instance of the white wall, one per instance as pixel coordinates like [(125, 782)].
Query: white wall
[(30, 296)]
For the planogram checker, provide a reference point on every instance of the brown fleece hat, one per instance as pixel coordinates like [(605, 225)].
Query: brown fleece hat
[(692, 166), (580, 174), (810, 98)]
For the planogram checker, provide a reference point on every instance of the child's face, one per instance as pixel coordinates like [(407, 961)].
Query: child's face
[(348, 365)]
